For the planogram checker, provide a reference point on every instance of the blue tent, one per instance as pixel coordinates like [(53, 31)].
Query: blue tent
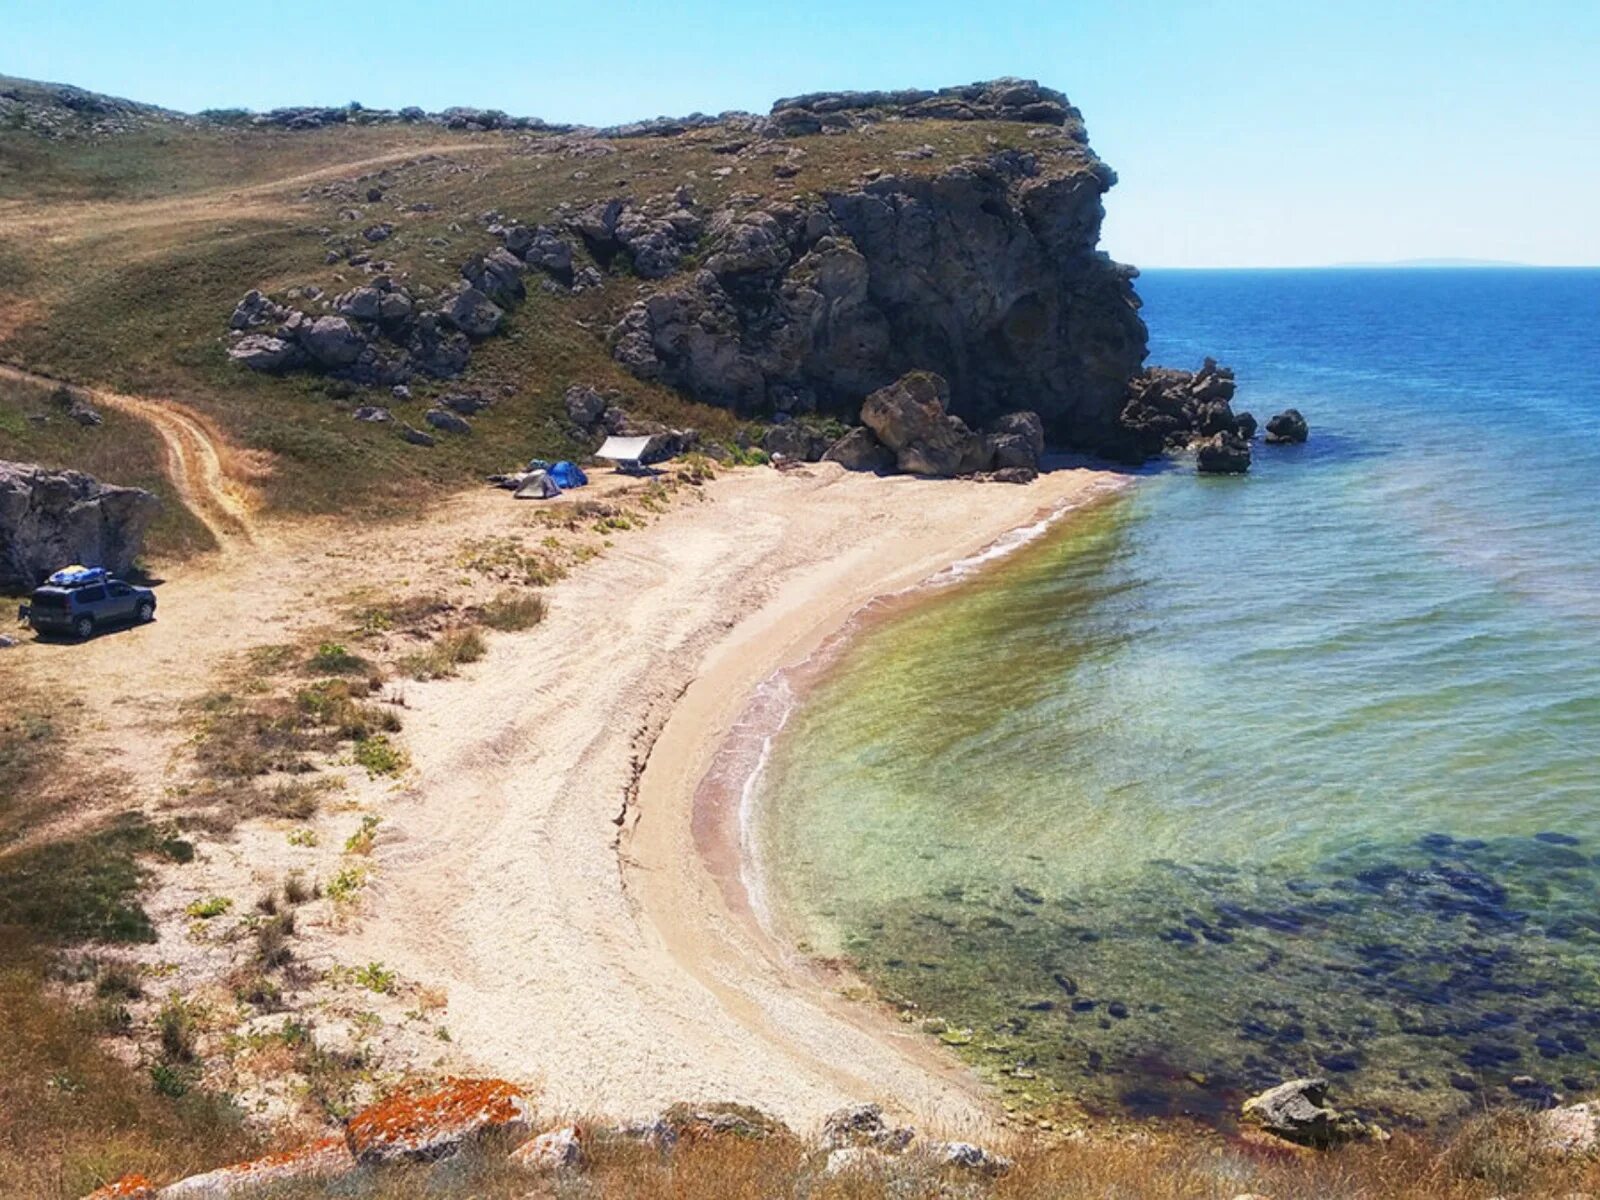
[(568, 475)]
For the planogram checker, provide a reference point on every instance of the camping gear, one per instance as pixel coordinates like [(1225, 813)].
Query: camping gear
[(627, 452), (537, 464), (77, 576), (537, 486), (568, 475)]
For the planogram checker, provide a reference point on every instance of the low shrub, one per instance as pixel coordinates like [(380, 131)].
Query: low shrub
[(510, 611)]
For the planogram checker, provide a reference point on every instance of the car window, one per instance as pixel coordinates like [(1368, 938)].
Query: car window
[(55, 600), (91, 595), (121, 589)]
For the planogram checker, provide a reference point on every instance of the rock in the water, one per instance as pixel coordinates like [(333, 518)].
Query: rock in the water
[(860, 450), (324, 1160), (909, 417), (427, 1127), (446, 421), (49, 519), (1245, 424), (1574, 1129), (1288, 426), (553, 1151), (1298, 1112), (262, 352), (1222, 454), (864, 1125)]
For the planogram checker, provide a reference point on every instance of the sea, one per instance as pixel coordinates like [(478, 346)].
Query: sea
[(1222, 781)]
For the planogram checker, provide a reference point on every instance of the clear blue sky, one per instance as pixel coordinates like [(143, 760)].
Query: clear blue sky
[(1245, 133)]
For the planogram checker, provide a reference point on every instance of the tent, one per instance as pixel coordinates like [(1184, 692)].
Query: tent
[(627, 452), (537, 486), (568, 475)]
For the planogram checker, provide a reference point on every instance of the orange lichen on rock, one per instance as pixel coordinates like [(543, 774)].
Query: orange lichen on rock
[(129, 1187), (320, 1160), (409, 1126)]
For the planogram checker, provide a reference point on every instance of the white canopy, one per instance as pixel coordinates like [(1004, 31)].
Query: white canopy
[(623, 449)]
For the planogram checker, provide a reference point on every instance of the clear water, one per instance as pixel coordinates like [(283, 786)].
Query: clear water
[(1233, 779)]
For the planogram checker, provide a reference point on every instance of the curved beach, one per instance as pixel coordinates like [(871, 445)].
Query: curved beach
[(544, 866)]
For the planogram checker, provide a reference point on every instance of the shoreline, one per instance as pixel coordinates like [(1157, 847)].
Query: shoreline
[(710, 918)]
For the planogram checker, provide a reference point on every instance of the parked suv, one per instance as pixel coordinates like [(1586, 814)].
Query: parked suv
[(80, 608)]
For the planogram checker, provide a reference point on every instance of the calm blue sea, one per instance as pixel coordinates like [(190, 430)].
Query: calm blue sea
[(1233, 779)]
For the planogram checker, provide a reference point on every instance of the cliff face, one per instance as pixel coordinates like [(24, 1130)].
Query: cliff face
[(987, 273)]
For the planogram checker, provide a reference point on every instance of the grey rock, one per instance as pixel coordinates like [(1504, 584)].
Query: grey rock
[(1573, 1129), (473, 313), (446, 421), (498, 275), (468, 404), (261, 352), (332, 342), (860, 450), (967, 1156), (378, 233), (585, 406), (435, 349), (49, 519), (372, 413), (255, 310), (795, 441), (416, 437), (359, 304)]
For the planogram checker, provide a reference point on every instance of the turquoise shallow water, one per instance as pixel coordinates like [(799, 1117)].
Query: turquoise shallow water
[(1233, 779)]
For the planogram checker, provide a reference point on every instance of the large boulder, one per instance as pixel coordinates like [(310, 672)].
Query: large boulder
[(585, 406), (255, 310), (860, 450), (409, 1127), (262, 352), (1298, 1111), (498, 275), (909, 417), (1222, 454), (49, 519), (332, 342), (473, 313), (1288, 426)]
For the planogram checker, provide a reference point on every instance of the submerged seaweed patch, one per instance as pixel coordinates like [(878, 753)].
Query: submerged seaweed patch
[(1424, 976)]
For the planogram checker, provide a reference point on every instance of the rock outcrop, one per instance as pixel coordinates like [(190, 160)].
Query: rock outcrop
[(909, 418), (421, 1128), (1222, 454), (985, 274), (49, 519)]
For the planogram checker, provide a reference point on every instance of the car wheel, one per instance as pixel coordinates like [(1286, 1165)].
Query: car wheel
[(84, 628), (147, 612)]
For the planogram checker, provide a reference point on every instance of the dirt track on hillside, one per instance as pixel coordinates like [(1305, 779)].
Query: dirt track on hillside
[(65, 221)]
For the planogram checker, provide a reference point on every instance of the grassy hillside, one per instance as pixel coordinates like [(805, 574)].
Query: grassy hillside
[(121, 258)]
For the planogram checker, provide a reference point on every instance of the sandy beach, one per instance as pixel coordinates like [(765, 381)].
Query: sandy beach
[(541, 866)]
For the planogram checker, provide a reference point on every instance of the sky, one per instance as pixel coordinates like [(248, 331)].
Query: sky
[(1244, 132)]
